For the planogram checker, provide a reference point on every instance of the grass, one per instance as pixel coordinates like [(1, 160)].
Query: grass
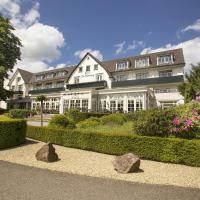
[(125, 129)]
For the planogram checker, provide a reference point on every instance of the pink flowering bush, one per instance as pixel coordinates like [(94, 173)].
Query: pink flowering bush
[(186, 127)]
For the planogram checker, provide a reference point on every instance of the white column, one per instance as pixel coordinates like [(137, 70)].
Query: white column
[(125, 107)]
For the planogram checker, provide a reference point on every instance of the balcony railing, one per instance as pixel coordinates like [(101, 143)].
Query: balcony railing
[(149, 81), (96, 84), (46, 90)]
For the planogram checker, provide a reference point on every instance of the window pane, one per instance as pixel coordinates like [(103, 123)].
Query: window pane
[(130, 105)]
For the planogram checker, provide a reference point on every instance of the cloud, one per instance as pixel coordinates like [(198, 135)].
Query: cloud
[(123, 48), (96, 53), (41, 43), (191, 50), (194, 27)]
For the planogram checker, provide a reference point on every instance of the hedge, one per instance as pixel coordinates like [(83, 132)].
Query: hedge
[(174, 150), (12, 132)]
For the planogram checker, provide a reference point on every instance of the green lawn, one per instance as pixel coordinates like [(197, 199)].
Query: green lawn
[(125, 129)]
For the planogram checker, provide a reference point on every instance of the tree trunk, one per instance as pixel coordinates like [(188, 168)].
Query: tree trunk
[(41, 113)]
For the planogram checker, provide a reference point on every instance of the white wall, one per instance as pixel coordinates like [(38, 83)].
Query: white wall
[(89, 76)]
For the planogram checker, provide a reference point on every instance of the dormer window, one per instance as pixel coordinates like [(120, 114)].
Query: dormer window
[(122, 65), (62, 73), (88, 68), (80, 69), (49, 75), (142, 62), (163, 60), (39, 77)]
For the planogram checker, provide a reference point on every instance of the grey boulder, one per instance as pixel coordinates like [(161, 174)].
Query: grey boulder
[(126, 163), (47, 153)]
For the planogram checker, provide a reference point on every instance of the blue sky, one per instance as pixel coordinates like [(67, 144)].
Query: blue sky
[(109, 29)]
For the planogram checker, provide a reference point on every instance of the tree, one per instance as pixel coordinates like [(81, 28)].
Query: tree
[(9, 53), (41, 99), (191, 88)]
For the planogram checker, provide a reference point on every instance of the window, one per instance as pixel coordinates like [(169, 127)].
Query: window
[(121, 78), (122, 65), (167, 59), (60, 84), (143, 62), (99, 77), (72, 104), (38, 86), (85, 105), (13, 87), (80, 69), (120, 106), (53, 105), (20, 88), (65, 105), (166, 73), (39, 77), (47, 106), (76, 80), (130, 105), (142, 76), (49, 75), (34, 106), (88, 68), (48, 85), (57, 106), (61, 73), (139, 104), (166, 90), (18, 79), (167, 104), (78, 104), (102, 105), (112, 106), (95, 67)]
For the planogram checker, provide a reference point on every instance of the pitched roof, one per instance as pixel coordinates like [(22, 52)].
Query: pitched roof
[(26, 75)]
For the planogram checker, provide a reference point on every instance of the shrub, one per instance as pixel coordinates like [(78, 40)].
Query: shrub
[(60, 121), (173, 150), (154, 122), (19, 113), (12, 132), (117, 119), (90, 122)]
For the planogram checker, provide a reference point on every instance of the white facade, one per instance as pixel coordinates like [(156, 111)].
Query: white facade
[(123, 85)]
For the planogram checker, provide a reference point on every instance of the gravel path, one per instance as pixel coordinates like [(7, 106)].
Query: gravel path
[(99, 165)]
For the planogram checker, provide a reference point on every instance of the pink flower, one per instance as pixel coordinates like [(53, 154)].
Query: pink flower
[(197, 98), (194, 112), (176, 121), (188, 122), (186, 128)]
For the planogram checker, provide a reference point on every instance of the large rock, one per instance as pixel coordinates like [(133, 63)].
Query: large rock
[(126, 163), (47, 153)]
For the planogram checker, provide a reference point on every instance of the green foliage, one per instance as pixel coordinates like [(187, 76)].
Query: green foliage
[(9, 53), (90, 122), (172, 150), (154, 122), (191, 88), (60, 121), (114, 119), (12, 132), (40, 98), (19, 113)]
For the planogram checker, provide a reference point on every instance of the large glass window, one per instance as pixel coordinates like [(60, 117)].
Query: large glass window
[(131, 105), (143, 62), (72, 104), (120, 106), (78, 104), (112, 106), (65, 104)]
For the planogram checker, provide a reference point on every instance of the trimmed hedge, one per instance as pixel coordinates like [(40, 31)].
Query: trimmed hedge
[(172, 150), (20, 113), (12, 132)]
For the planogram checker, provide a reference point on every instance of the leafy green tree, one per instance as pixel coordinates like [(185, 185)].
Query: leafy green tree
[(191, 88), (41, 99), (9, 53)]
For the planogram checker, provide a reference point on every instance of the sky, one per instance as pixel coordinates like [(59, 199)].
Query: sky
[(58, 33)]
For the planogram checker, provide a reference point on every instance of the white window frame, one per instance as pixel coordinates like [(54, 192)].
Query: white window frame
[(140, 76), (165, 73), (122, 65), (164, 59), (76, 80), (142, 62), (96, 66), (99, 77)]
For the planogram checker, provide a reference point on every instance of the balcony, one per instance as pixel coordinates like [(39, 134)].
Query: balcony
[(97, 84), (149, 81), (46, 90)]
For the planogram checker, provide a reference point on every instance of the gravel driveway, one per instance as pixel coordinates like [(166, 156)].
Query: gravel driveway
[(88, 163)]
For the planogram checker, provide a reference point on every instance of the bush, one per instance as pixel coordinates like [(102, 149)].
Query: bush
[(154, 122), (19, 113), (77, 116), (12, 132), (172, 150), (90, 122), (60, 121), (117, 119)]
